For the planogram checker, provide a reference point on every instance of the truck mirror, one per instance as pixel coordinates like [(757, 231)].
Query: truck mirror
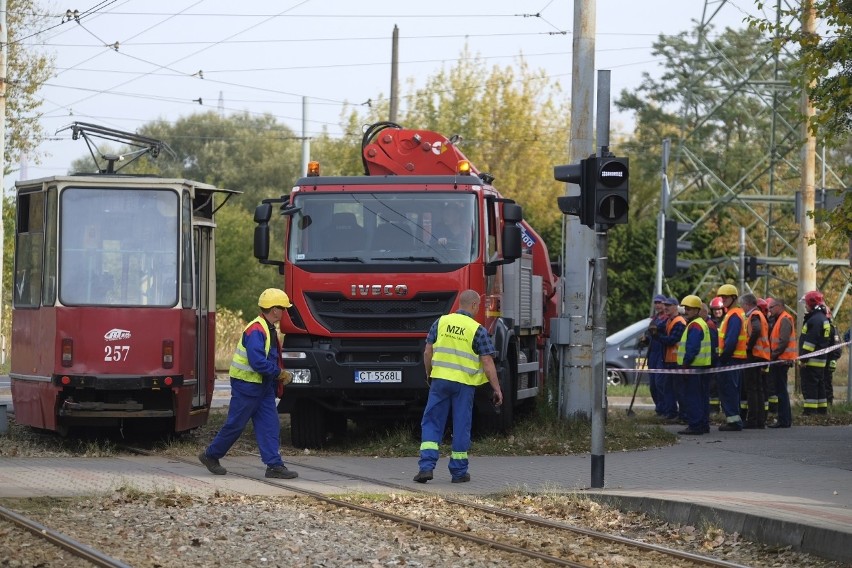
[(511, 242), (261, 238), (512, 213), (262, 214)]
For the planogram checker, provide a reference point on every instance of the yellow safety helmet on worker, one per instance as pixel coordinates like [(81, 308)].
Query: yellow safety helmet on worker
[(727, 290), (272, 297)]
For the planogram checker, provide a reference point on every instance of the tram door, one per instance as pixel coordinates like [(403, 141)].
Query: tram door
[(203, 249)]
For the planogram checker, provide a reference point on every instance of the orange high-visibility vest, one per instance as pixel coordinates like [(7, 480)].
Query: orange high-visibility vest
[(761, 347), (670, 355), (791, 349)]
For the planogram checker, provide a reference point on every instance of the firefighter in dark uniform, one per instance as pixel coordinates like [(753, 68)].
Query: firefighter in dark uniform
[(458, 358), (256, 375), (816, 334)]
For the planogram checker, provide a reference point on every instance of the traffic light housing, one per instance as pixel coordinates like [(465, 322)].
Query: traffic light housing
[(580, 205), (672, 243), (611, 188), (603, 185)]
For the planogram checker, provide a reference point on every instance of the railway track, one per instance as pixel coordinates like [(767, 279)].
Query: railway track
[(78, 549), (502, 532)]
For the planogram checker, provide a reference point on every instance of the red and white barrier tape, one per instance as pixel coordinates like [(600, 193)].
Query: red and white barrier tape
[(723, 368)]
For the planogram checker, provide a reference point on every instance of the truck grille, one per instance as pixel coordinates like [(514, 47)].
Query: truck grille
[(341, 314)]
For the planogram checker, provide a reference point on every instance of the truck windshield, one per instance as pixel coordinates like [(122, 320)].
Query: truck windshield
[(384, 227), (118, 247)]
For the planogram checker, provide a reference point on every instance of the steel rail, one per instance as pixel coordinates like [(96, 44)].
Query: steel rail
[(65, 542), (415, 523), (537, 521), (682, 555)]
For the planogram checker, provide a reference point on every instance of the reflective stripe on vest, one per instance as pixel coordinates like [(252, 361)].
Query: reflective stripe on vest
[(761, 346), (670, 355), (703, 359), (790, 351), (740, 349), (240, 368), (453, 357)]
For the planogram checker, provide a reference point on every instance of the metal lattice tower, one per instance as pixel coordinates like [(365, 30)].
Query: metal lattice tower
[(757, 206)]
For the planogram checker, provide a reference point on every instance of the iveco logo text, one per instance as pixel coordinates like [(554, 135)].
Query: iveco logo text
[(612, 174), (379, 290), (116, 334)]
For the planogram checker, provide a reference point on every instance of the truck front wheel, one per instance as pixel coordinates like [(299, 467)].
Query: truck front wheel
[(307, 425)]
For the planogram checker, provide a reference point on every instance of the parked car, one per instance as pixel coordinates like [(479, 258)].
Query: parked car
[(623, 353)]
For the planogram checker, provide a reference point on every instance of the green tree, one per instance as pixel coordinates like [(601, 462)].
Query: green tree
[(824, 62), (240, 278), (27, 70)]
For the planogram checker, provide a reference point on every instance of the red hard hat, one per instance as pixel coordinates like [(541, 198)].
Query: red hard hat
[(762, 305), (813, 299), (716, 303)]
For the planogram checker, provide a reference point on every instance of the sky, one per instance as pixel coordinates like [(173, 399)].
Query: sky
[(128, 62)]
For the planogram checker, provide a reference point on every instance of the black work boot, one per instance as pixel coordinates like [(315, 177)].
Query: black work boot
[(280, 471), (423, 476), (212, 464)]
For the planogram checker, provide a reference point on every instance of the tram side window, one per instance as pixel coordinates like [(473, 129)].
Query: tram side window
[(49, 293), (29, 250)]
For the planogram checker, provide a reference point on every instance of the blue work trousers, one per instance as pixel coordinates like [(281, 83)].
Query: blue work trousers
[(778, 381), (445, 397), (255, 402), (666, 392), (696, 400), (729, 393)]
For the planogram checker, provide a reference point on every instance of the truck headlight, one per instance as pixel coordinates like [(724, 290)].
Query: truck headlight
[(301, 376)]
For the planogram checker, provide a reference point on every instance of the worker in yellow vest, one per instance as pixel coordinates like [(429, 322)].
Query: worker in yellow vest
[(255, 376), (459, 356), (695, 351)]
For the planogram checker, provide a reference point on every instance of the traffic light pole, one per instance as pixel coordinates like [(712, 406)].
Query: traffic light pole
[(599, 295)]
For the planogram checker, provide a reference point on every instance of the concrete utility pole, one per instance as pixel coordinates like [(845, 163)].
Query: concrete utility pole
[(4, 40), (394, 86), (807, 251), (575, 356)]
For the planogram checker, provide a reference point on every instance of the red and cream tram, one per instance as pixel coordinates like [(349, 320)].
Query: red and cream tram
[(114, 303)]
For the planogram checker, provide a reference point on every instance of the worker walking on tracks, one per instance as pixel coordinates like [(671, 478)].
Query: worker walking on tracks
[(255, 376), (458, 358)]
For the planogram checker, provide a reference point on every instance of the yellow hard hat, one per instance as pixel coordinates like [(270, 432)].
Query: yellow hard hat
[(691, 302), (272, 297), (727, 290)]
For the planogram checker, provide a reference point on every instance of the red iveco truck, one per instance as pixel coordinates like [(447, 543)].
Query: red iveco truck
[(370, 262)]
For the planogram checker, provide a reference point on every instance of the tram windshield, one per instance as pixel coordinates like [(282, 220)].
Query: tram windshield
[(118, 247), (351, 227)]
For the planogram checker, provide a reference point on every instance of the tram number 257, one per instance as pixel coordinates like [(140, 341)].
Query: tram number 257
[(116, 352)]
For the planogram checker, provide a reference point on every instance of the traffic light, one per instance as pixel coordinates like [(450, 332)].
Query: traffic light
[(580, 205), (672, 243), (752, 263), (611, 184), (603, 182)]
